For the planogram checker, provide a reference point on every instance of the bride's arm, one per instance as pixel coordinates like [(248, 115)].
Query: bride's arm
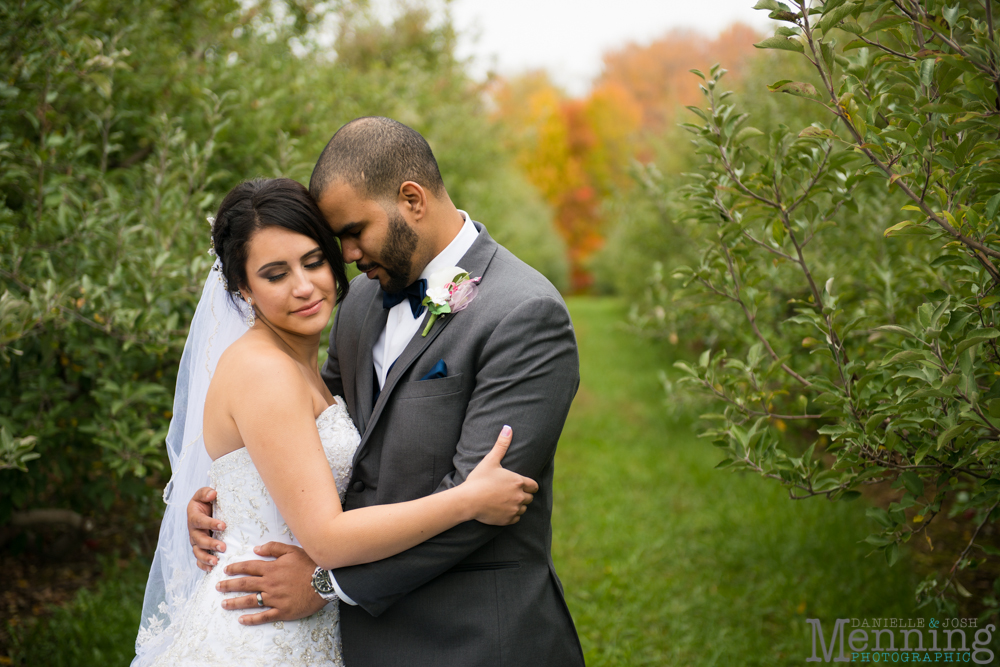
[(274, 415)]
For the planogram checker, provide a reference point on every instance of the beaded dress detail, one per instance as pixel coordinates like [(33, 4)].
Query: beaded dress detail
[(206, 634)]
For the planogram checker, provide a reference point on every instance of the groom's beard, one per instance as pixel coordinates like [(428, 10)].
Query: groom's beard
[(397, 254)]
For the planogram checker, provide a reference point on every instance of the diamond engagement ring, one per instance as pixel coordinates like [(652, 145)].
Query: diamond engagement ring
[(260, 599)]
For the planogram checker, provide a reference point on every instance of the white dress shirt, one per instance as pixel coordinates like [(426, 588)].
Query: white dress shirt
[(402, 326)]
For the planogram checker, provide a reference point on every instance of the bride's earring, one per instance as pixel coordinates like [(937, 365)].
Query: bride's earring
[(249, 319)]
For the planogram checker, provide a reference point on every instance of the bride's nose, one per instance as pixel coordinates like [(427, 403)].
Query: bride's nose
[(303, 286)]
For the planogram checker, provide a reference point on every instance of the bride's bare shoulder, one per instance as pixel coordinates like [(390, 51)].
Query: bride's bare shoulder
[(253, 363)]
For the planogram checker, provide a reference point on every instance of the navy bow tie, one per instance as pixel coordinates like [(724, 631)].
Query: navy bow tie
[(414, 293)]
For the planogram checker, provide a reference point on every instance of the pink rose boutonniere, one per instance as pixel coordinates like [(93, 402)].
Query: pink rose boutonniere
[(449, 290)]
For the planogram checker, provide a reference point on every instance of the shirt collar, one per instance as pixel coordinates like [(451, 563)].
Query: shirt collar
[(455, 250)]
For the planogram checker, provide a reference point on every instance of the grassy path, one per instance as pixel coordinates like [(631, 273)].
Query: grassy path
[(667, 561)]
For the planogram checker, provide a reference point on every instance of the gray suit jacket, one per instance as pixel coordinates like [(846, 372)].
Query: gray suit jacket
[(476, 594)]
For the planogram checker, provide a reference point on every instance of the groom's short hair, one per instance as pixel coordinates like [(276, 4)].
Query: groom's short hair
[(375, 156)]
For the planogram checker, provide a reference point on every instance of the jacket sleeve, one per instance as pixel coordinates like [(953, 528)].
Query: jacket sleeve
[(527, 377)]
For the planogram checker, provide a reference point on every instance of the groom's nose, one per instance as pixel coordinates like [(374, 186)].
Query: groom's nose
[(352, 253)]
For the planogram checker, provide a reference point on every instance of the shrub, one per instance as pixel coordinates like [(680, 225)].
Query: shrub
[(852, 346)]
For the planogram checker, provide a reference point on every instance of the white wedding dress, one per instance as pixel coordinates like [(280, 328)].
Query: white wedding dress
[(210, 636)]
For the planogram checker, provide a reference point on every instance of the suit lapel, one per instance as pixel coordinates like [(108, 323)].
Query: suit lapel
[(475, 261), (372, 326)]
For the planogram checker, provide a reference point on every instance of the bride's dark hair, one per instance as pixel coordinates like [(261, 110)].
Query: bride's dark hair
[(270, 202)]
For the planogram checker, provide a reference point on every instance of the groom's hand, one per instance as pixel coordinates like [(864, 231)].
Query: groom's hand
[(285, 585), (200, 527)]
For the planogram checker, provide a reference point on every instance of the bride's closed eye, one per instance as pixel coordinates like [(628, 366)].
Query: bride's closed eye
[(313, 266)]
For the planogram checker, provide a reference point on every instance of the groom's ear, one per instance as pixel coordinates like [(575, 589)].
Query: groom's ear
[(413, 200)]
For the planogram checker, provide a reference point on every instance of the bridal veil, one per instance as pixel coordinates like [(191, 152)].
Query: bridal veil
[(174, 574)]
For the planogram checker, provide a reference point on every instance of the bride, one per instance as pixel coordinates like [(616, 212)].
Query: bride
[(253, 417)]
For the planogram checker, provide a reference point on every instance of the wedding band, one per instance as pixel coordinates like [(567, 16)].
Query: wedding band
[(260, 599)]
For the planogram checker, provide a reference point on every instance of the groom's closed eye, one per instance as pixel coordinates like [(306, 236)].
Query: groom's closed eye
[(351, 229)]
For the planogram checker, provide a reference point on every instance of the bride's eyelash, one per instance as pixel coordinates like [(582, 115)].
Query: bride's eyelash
[(315, 265)]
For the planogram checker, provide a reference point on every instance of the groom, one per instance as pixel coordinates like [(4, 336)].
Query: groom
[(429, 405)]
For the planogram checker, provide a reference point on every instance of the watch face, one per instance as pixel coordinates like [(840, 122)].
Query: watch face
[(322, 582)]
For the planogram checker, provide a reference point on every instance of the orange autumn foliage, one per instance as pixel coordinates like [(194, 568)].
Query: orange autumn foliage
[(658, 74), (577, 151)]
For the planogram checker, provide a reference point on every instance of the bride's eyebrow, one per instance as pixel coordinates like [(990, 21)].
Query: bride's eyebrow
[(271, 264), (284, 263)]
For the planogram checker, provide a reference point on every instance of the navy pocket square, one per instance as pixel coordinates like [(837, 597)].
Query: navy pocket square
[(440, 370)]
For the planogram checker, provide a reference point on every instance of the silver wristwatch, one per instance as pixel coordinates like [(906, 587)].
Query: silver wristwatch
[(322, 583)]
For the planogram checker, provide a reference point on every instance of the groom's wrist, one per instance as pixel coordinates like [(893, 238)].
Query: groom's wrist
[(344, 597), (323, 585)]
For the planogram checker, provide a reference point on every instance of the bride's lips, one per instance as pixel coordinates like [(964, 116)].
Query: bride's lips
[(311, 309)]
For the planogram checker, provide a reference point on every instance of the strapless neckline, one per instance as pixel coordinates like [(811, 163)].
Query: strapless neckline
[(324, 416)]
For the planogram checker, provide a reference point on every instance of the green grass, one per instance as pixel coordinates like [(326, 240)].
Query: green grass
[(665, 560), (97, 628)]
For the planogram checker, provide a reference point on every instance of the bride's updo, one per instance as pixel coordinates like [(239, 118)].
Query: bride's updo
[(270, 202)]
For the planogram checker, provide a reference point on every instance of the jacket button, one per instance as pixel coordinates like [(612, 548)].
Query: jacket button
[(358, 486)]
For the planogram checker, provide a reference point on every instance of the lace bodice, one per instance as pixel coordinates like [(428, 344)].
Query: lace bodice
[(243, 502), (203, 633)]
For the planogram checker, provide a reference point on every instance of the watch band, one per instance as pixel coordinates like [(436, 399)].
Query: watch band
[(322, 583)]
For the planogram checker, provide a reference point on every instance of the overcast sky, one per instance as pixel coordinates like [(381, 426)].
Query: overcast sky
[(567, 37)]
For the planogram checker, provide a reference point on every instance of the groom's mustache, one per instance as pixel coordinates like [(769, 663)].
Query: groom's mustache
[(365, 268)]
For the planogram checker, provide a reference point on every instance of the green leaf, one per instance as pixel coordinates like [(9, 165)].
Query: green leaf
[(885, 23), (992, 205), (797, 88), (913, 483), (952, 14), (892, 554), (832, 18), (927, 71), (940, 107), (781, 43), (895, 329), (898, 227), (873, 423), (904, 356), (747, 133), (989, 301), (975, 337), (948, 434), (880, 516), (817, 132)]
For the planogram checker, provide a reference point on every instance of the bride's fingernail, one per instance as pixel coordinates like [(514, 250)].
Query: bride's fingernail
[(506, 431), (220, 526)]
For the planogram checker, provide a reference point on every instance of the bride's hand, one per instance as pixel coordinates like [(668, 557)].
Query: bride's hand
[(499, 497)]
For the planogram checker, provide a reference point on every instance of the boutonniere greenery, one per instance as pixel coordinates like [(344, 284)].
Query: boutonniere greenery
[(449, 291)]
